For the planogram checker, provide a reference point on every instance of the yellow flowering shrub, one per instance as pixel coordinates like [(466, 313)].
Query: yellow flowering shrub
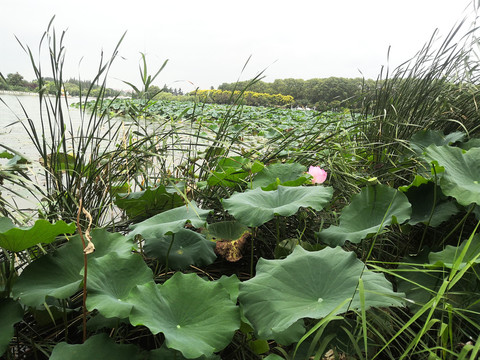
[(248, 97)]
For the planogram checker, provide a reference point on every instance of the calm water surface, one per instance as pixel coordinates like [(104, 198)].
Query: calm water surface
[(14, 109)]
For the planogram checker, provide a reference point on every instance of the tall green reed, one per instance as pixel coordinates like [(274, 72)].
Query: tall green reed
[(436, 89), (90, 160)]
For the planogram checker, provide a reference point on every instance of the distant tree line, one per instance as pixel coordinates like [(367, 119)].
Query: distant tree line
[(16, 82), (322, 94), (250, 98), (72, 87), (154, 92)]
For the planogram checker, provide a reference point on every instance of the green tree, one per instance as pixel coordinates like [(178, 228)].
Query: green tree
[(152, 91), (3, 83), (15, 79)]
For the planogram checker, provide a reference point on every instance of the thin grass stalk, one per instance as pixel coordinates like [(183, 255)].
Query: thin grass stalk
[(85, 276)]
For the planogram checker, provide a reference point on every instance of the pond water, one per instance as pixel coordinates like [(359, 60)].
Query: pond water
[(17, 109), (14, 110)]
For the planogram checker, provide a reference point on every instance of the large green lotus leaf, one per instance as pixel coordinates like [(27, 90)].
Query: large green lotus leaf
[(196, 316), (424, 138), (96, 347), (256, 207), (229, 177), (291, 334), (417, 281), (188, 248), (59, 274), (230, 238), (170, 222), (106, 242), (472, 143), (450, 254), (99, 322), (233, 170), (273, 357), (421, 194), (20, 238), (289, 174), (225, 230), (231, 284), (11, 312), (369, 212), (110, 279), (148, 202), (56, 275), (461, 178), (309, 285), (164, 353)]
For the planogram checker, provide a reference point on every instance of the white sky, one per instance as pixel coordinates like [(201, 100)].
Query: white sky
[(208, 42)]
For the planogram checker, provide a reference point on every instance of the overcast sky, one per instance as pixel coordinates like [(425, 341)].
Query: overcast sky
[(208, 42)]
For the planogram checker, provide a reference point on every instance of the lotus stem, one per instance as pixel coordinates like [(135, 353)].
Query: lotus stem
[(87, 249), (168, 255), (277, 224), (251, 251)]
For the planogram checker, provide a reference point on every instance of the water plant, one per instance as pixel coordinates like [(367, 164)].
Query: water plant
[(348, 264)]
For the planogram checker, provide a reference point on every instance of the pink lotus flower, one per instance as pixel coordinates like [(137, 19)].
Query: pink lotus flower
[(319, 175)]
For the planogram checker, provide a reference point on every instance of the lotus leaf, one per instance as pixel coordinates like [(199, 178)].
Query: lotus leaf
[(472, 143), (421, 195), (256, 207), (148, 202), (226, 230), (196, 316), (273, 357), (231, 284), (416, 281), (289, 174), (188, 248), (233, 170), (20, 238), (110, 279), (15, 161), (461, 178), (423, 139), (230, 238), (170, 222), (96, 347), (369, 212), (164, 353), (98, 322), (448, 256), (11, 312), (309, 285), (59, 274)]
